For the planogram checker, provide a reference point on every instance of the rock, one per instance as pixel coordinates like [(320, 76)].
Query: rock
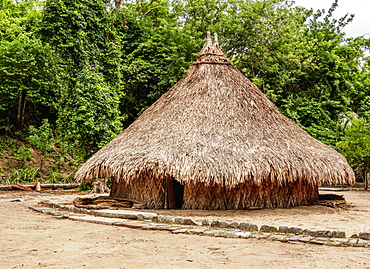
[(243, 234), (319, 241), (339, 234), (253, 227), (205, 222), (234, 224), (189, 222), (98, 220), (160, 218), (342, 241), (124, 214), (278, 237), (230, 235), (268, 228), (218, 233), (209, 233), (295, 230), (310, 232), (168, 219), (197, 230), (361, 243), (260, 236), (244, 225), (323, 233), (296, 238), (364, 235), (223, 224), (305, 239), (332, 243), (354, 236), (140, 217), (215, 223), (180, 231), (179, 220), (284, 229), (129, 224)]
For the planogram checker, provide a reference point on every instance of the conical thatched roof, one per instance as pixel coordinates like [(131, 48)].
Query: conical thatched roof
[(216, 127)]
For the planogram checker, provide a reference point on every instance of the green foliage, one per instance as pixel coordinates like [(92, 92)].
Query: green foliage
[(89, 116), (22, 175), (355, 146), (88, 110), (73, 73), (58, 178), (55, 153), (6, 143), (23, 154), (154, 67), (42, 137), (29, 75), (85, 187)]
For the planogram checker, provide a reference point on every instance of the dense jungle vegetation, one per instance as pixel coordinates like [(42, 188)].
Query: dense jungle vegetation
[(74, 74)]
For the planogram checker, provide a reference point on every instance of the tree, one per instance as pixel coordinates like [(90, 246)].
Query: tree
[(355, 146), (90, 54), (89, 115), (156, 53), (28, 71)]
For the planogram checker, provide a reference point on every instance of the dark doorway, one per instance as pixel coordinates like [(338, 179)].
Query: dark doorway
[(179, 193), (174, 193)]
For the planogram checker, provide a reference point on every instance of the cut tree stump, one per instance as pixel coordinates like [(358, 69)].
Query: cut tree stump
[(37, 186)]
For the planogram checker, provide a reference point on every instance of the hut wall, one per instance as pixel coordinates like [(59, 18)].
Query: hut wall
[(247, 195), (155, 193), (147, 190)]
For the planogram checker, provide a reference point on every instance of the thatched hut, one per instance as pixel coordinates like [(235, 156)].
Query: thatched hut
[(214, 141)]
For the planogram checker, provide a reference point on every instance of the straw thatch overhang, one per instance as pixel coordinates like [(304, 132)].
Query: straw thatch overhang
[(214, 141)]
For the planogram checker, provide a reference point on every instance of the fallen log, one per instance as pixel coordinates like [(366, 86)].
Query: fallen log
[(332, 200), (105, 202), (44, 186), (21, 187)]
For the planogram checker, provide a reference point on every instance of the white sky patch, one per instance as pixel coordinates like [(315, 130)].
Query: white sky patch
[(361, 8)]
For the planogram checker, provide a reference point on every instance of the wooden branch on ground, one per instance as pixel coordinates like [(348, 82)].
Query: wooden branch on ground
[(43, 186), (21, 187)]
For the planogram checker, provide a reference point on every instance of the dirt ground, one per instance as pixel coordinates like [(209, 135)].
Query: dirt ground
[(32, 240)]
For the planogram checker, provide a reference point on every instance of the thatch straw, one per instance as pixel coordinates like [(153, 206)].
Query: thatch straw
[(216, 132)]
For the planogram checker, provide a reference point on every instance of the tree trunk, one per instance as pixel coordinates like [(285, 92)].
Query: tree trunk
[(19, 108)]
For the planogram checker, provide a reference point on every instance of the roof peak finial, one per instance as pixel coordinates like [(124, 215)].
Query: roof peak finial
[(208, 36), (216, 38)]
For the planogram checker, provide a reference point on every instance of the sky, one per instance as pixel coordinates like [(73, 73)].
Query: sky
[(361, 8)]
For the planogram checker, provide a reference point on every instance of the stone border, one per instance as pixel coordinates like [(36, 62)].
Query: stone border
[(180, 225)]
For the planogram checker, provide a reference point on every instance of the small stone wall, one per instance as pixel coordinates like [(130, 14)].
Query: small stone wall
[(152, 221)]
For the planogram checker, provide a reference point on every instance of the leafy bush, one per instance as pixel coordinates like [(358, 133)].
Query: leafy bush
[(85, 187), (23, 175), (55, 177), (42, 137), (355, 146)]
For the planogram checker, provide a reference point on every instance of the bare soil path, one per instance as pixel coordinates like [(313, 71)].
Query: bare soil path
[(32, 240)]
